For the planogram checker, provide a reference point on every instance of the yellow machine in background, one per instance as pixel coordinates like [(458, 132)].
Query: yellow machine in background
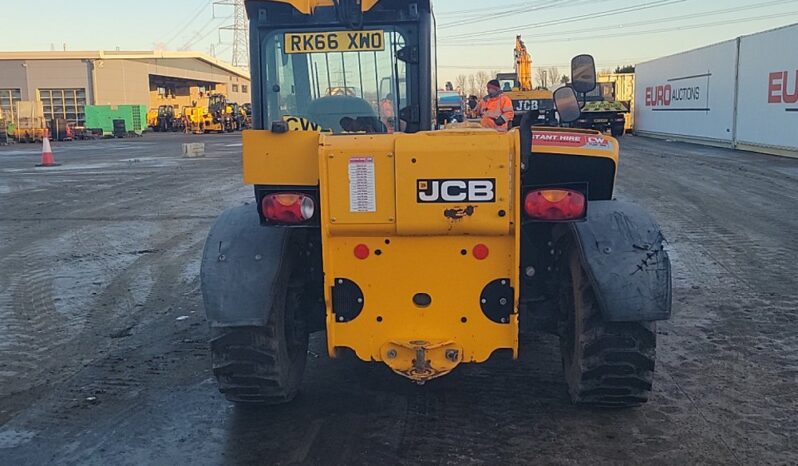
[(213, 114), (152, 118), (519, 88), (419, 248), (29, 122)]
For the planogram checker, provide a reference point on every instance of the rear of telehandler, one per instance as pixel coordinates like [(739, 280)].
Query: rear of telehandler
[(417, 248)]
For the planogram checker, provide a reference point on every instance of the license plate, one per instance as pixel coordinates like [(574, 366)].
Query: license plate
[(336, 41)]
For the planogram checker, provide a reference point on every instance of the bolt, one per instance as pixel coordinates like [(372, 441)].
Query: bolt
[(340, 282), (483, 300), (504, 282), (391, 354), (258, 257), (389, 154), (504, 320), (340, 318), (607, 250), (221, 258), (332, 219), (502, 301), (530, 271), (359, 300), (451, 355), (552, 252)]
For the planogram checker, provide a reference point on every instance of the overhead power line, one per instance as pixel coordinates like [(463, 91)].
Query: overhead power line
[(200, 34), (570, 33), (571, 19), (191, 20), (676, 28)]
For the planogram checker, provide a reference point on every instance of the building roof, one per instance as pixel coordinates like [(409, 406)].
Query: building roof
[(122, 55)]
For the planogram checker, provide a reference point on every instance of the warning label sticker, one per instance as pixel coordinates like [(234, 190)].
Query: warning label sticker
[(362, 195)]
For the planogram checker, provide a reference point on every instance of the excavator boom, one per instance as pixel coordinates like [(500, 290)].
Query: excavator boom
[(523, 65)]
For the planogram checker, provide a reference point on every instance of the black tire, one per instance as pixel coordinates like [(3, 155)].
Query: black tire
[(264, 365), (606, 364), (617, 130)]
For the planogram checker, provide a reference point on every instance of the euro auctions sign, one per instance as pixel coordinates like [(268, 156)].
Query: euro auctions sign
[(687, 93), (783, 87)]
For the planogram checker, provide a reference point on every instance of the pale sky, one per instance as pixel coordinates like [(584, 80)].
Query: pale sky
[(473, 35)]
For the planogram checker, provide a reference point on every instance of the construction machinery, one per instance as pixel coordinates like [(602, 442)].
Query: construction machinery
[(241, 117), (168, 119), (152, 118), (623, 87), (28, 123), (602, 112), (518, 87), (451, 107), (216, 115), (3, 129), (422, 249)]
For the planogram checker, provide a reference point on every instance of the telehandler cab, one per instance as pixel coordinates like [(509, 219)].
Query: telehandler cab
[(419, 248)]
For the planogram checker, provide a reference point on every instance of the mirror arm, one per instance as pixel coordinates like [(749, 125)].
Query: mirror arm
[(526, 140)]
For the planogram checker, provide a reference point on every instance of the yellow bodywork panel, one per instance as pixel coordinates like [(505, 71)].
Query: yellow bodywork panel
[(307, 6), (371, 191), (281, 159), (428, 200)]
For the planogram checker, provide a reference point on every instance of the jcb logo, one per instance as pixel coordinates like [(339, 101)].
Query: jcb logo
[(525, 105), (465, 190)]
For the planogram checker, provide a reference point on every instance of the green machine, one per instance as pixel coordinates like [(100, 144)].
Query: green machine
[(117, 120)]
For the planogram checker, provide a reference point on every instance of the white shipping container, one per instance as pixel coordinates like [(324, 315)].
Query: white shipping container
[(767, 102), (688, 95)]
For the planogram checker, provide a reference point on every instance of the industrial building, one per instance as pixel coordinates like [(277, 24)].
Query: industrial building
[(65, 82)]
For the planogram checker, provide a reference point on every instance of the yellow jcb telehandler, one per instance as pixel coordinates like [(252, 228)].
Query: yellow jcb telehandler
[(422, 249)]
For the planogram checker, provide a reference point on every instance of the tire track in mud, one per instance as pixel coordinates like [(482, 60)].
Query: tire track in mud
[(36, 331), (124, 376), (729, 348)]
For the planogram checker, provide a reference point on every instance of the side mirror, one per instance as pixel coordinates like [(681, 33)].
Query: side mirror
[(583, 74), (567, 104)]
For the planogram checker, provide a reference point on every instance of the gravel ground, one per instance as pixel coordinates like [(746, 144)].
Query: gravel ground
[(103, 354)]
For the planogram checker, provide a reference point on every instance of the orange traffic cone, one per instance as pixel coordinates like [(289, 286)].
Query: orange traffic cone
[(47, 154)]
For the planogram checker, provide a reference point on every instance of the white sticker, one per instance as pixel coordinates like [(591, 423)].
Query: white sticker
[(362, 195)]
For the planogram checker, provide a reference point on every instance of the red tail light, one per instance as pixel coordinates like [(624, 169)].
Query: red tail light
[(288, 207), (555, 204)]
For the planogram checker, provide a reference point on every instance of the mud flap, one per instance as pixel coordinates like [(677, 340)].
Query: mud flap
[(621, 248), (240, 268)]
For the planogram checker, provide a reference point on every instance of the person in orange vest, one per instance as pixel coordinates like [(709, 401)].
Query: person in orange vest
[(387, 113), (496, 108)]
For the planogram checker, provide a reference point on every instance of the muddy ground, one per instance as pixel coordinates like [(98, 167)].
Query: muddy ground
[(103, 355)]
